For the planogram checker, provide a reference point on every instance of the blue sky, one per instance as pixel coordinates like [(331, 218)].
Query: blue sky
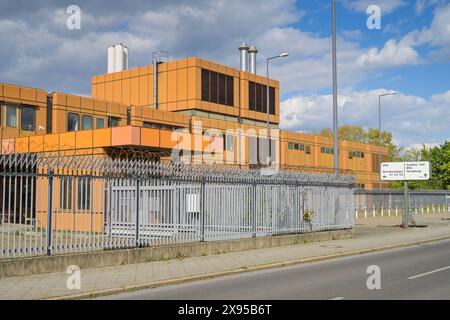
[(409, 54)]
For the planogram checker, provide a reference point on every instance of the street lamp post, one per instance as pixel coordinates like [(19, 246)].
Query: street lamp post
[(379, 124), (281, 55), (335, 103)]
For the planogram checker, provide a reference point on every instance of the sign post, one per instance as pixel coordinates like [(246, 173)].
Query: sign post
[(405, 218), (405, 171)]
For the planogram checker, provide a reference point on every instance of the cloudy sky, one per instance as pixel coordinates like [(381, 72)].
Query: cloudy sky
[(409, 54)]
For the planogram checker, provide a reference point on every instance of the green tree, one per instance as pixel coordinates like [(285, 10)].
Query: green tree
[(371, 136), (352, 133)]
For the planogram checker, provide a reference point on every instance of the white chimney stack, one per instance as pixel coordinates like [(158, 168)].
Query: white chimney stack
[(117, 58)]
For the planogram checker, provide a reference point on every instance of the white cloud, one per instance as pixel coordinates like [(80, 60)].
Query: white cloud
[(393, 54), (412, 120), (436, 36)]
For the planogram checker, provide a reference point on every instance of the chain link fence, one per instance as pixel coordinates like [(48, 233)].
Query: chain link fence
[(373, 203), (57, 204)]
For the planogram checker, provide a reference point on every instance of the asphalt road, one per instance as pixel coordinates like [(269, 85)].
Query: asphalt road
[(416, 272)]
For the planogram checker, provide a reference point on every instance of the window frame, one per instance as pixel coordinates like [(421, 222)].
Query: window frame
[(28, 107), (83, 116), (96, 123), (69, 114), (111, 119), (8, 108)]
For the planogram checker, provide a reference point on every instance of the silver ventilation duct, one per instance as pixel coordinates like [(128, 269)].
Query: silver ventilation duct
[(244, 56), (252, 51)]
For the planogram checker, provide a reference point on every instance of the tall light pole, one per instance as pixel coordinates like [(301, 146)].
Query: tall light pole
[(281, 55), (379, 124), (335, 103)]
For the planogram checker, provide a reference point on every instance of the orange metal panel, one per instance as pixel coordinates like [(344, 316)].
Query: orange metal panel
[(67, 140), (126, 135), (182, 85), (126, 91), (51, 142), (117, 91), (172, 86), (102, 138), (162, 87), (27, 94), (109, 91), (150, 137), (143, 90), (192, 74), (84, 139), (134, 87), (11, 91), (36, 144)]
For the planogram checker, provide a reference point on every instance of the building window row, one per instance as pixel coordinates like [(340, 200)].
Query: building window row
[(83, 194), (87, 122), (355, 154), (327, 150), (27, 117), (257, 97), (300, 147), (217, 87), (160, 126)]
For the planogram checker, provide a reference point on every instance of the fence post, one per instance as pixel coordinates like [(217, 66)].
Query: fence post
[(138, 198), (254, 211), (49, 211), (202, 211)]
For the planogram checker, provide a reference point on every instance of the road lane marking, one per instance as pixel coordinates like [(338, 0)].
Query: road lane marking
[(427, 273), (337, 298)]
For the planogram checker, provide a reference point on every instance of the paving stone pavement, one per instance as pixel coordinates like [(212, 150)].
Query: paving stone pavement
[(371, 232)]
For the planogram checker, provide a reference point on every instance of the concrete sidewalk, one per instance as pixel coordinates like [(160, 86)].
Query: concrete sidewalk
[(372, 234)]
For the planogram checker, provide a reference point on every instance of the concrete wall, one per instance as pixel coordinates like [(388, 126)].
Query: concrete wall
[(59, 263)]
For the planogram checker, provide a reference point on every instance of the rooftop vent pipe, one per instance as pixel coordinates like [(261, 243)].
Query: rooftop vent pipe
[(252, 51), (243, 48), (117, 58)]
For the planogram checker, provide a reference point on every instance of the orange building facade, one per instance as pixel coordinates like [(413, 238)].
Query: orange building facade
[(195, 105)]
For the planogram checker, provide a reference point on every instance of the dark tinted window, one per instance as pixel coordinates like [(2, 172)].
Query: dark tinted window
[(230, 91), (257, 97), (73, 121), (217, 87), (264, 99), (100, 123), (205, 85), (251, 95), (213, 86), (27, 118), (222, 89), (271, 100), (113, 122)]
